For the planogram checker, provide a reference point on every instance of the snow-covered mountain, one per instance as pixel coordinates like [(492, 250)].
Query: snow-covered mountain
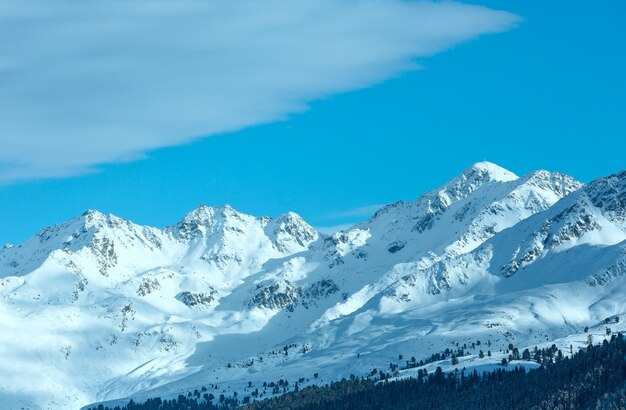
[(99, 308)]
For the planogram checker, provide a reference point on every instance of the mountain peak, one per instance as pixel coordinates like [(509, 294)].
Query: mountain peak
[(488, 169), (560, 184), (609, 193), (208, 214), (473, 178), (91, 217), (289, 216), (291, 233), (92, 213)]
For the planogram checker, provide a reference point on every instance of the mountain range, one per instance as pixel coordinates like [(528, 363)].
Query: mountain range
[(99, 309)]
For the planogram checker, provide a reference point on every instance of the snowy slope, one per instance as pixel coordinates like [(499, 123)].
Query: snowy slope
[(99, 308), (99, 289)]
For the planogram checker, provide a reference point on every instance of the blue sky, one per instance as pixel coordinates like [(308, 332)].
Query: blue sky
[(547, 92)]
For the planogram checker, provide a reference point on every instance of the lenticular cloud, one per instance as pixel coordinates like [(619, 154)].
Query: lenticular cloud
[(93, 82)]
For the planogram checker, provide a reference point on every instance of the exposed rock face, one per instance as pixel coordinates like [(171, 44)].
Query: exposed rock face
[(291, 234), (275, 296), (192, 299), (285, 295)]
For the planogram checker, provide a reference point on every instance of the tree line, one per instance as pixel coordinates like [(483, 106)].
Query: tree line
[(594, 377)]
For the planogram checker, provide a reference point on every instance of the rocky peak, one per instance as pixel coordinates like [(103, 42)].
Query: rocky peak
[(609, 194), (202, 215), (473, 178), (92, 216), (594, 215), (560, 184), (207, 219), (290, 233), (459, 187)]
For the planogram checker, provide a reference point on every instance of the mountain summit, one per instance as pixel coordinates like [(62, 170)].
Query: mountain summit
[(476, 175)]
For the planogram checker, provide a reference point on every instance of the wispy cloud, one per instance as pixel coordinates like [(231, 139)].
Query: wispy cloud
[(363, 211), (344, 219), (84, 83), (331, 229)]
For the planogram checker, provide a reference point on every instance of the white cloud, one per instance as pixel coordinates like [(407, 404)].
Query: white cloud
[(90, 82)]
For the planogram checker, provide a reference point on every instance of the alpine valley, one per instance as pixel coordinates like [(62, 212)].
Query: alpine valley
[(99, 309)]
